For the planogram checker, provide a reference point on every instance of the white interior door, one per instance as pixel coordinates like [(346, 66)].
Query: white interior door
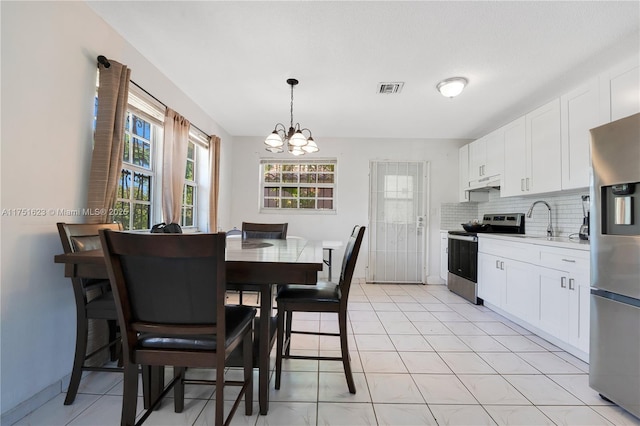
[(397, 231)]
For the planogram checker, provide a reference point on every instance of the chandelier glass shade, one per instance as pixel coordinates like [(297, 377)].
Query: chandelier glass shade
[(297, 142)]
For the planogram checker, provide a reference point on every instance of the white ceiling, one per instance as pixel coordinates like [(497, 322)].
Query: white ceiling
[(233, 59)]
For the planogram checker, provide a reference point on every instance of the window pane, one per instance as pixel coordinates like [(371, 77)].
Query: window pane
[(325, 177), (289, 204), (272, 202), (187, 216), (124, 186), (306, 203), (142, 187), (325, 192), (290, 177), (289, 167), (189, 175), (191, 151), (141, 127), (307, 192), (271, 191), (141, 214), (325, 204), (308, 178), (141, 153), (188, 196), (289, 192), (125, 208), (272, 177)]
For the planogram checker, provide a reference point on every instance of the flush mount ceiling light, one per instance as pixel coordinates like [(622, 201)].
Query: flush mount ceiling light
[(452, 87), (297, 142)]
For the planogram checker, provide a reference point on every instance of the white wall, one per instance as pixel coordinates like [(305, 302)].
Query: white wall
[(49, 52), (353, 157)]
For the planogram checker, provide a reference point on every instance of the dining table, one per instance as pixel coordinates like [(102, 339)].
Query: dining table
[(252, 264)]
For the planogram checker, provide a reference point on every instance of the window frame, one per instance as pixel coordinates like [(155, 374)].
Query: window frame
[(299, 185)]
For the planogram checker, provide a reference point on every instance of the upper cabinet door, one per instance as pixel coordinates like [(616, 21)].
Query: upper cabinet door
[(543, 145), (477, 158), (622, 85), (515, 163), (579, 111), (495, 153)]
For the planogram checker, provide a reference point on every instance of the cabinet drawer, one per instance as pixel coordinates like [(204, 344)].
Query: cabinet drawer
[(566, 260), (510, 250)]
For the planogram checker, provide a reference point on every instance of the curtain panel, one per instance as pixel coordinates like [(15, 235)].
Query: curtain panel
[(108, 145), (214, 168), (174, 164)]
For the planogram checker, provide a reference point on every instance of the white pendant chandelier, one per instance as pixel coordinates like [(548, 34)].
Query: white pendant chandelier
[(296, 141)]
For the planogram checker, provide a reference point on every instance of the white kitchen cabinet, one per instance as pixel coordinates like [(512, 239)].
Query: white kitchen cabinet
[(491, 279), (464, 195), (532, 159), (546, 288), (579, 112), (543, 147), (621, 88), (515, 153), (486, 158), (444, 255), (564, 306), (521, 297)]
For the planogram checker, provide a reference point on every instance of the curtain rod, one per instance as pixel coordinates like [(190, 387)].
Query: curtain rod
[(105, 62)]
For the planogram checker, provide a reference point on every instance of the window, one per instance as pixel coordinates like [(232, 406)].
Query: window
[(135, 189), (138, 196), (298, 185)]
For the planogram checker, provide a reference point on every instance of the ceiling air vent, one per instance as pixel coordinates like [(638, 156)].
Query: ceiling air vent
[(390, 88)]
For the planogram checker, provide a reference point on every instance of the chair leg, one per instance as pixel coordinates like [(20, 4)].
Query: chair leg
[(78, 359), (279, 344), (129, 395), (344, 346), (178, 389), (219, 419), (287, 330), (248, 373), (239, 297), (113, 332)]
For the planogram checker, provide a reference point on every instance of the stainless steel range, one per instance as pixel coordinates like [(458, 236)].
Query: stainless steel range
[(463, 252)]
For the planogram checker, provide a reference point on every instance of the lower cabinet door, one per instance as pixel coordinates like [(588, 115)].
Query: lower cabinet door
[(554, 302), (521, 295), (491, 279)]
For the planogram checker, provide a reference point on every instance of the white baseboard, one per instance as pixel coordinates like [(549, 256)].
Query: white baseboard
[(36, 401)]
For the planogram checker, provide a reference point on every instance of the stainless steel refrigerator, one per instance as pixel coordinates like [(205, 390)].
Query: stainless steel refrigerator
[(614, 353)]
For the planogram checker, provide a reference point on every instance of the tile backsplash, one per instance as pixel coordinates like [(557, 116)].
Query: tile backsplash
[(566, 211)]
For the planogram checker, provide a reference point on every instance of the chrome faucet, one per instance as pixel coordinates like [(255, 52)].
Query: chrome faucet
[(530, 212)]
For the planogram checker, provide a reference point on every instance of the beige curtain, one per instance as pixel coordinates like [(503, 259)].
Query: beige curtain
[(214, 167), (106, 160), (174, 164)]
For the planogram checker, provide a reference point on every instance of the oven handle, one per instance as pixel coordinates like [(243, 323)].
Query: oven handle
[(463, 237)]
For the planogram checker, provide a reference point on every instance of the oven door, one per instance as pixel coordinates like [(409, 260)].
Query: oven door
[(463, 256)]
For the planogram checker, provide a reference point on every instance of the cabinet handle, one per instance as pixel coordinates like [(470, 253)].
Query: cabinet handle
[(572, 284), (569, 260), (563, 282), (522, 185), (527, 184), (497, 264), (502, 266)]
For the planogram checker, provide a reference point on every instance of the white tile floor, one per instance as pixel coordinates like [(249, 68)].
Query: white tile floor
[(421, 356)]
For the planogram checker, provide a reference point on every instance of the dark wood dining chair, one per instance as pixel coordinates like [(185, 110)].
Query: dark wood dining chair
[(94, 301), (323, 297), (266, 231), (170, 297)]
